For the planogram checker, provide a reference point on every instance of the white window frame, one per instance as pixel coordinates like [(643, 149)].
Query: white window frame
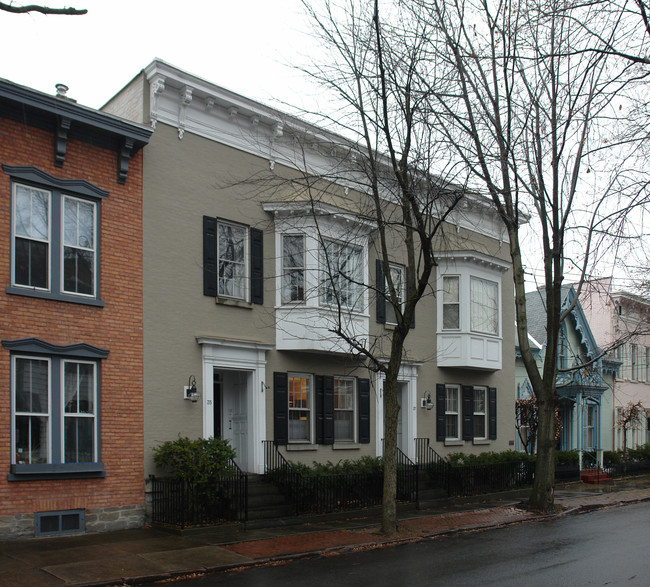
[(80, 247), (398, 275), (79, 415), (286, 283), (480, 413), (450, 302), (335, 286), (352, 381), (476, 308), (452, 413), (243, 265), (308, 410)]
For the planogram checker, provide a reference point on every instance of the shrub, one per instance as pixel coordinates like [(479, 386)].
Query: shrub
[(612, 457), (195, 461), (459, 459), (567, 458), (640, 453)]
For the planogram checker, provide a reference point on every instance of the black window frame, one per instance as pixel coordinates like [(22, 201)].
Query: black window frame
[(32, 177)]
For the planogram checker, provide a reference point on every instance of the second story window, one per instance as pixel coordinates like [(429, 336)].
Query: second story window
[(341, 274), (293, 268), (451, 302), (55, 236), (232, 255), (484, 305)]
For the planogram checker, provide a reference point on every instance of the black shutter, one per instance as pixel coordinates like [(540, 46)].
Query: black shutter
[(441, 397), (364, 410), (380, 281), (280, 408), (209, 256), (468, 412), (257, 266), (408, 294), (324, 409), (492, 412)]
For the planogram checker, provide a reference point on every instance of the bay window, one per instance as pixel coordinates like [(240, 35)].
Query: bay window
[(341, 271), (293, 268), (484, 305)]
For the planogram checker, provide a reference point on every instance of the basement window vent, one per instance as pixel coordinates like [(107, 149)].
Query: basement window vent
[(59, 523)]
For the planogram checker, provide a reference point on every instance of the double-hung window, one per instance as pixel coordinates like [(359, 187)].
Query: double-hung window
[(55, 237), (232, 255), (341, 274), (293, 268), (397, 276), (344, 409), (452, 412), (300, 387), (480, 413), (484, 305), (55, 415), (451, 302)]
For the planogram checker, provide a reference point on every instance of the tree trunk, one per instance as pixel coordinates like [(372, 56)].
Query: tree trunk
[(541, 497), (389, 500)]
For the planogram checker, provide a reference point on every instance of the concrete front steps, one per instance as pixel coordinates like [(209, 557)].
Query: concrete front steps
[(266, 504)]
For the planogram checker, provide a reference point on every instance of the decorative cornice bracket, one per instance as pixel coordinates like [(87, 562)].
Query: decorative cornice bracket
[(123, 160), (61, 140)]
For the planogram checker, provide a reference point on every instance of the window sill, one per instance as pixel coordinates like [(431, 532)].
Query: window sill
[(56, 471), (58, 297), (345, 446), (301, 447), (454, 443), (234, 303)]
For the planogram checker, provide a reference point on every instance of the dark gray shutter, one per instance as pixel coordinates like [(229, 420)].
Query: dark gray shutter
[(280, 408), (380, 282), (325, 409), (363, 386), (441, 397), (468, 412), (408, 294), (209, 256), (492, 412), (257, 266)]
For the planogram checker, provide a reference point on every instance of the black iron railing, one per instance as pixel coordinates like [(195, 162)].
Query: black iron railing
[(432, 464), (628, 468), (474, 479), (407, 478), (178, 503)]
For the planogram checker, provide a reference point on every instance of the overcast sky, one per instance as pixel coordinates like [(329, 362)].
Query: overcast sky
[(246, 46)]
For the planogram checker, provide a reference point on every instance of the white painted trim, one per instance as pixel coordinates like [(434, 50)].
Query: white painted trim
[(240, 356)]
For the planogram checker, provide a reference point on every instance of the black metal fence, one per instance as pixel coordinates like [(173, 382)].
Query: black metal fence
[(178, 503), (627, 469), (336, 492), (433, 464), (475, 479)]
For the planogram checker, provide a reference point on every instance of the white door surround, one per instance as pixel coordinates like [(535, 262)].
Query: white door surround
[(250, 360)]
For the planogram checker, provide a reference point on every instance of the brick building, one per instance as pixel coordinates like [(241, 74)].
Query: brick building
[(71, 407)]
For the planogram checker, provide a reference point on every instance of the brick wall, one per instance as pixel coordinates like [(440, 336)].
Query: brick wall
[(116, 327)]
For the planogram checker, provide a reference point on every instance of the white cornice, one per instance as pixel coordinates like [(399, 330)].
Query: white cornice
[(475, 258)]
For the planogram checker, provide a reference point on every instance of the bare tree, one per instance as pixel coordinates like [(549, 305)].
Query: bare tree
[(11, 7), (376, 68), (630, 418), (529, 109)]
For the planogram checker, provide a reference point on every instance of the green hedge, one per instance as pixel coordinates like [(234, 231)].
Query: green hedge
[(459, 459), (362, 465)]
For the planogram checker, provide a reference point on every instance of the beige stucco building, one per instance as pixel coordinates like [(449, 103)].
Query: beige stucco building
[(235, 299)]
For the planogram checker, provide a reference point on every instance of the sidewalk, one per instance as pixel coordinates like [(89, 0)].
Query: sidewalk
[(147, 555)]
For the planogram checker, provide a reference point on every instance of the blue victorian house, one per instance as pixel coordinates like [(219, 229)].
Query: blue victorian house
[(584, 379)]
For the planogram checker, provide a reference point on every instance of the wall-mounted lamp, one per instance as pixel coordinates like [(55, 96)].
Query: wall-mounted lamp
[(264, 387), (426, 401), (189, 391)]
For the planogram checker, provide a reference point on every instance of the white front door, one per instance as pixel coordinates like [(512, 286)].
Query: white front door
[(234, 413)]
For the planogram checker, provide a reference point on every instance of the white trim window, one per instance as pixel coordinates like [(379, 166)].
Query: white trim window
[(341, 269), (450, 302), (31, 406), (484, 305), (232, 260), (300, 394), (79, 248), (479, 415), (397, 273), (79, 411), (452, 412), (293, 268), (32, 237), (344, 409)]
